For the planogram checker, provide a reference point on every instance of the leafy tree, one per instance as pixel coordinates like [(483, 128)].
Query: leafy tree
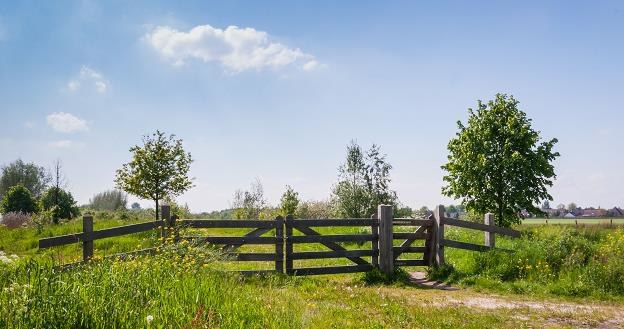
[(135, 206), (29, 175), (422, 212), (572, 206), (289, 202), (249, 204), (18, 199), (497, 163), (403, 212), (109, 200), (561, 206), (314, 210), (158, 168), (60, 203), (363, 183)]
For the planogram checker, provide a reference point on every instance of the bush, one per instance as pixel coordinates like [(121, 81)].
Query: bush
[(109, 200), (61, 203), (15, 219), (18, 199)]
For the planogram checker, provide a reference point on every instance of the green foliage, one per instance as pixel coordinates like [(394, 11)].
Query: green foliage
[(364, 183), (109, 200), (376, 276), (158, 168), (289, 202), (249, 204), (18, 199), (497, 163), (314, 210), (546, 260), (61, 204), (29, 175)]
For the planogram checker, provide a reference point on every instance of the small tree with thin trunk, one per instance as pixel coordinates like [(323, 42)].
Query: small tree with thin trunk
[(158, 168)]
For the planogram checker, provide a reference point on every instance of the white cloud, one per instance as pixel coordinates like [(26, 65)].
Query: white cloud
[(237, 49), (89, 77), (66, 122)]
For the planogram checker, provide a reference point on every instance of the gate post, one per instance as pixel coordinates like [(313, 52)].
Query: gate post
[(279, 244), (490, 237), (165, 219), (87, 244), (438, 232), (386, 256)]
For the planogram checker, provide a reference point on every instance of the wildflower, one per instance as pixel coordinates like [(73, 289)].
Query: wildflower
[(149, 318)]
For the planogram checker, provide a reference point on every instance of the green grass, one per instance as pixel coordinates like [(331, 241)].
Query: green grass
[(574, 221)]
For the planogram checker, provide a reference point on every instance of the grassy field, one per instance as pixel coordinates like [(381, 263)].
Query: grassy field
[(582, 285)]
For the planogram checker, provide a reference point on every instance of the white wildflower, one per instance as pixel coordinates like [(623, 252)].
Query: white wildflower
[(149, 318)]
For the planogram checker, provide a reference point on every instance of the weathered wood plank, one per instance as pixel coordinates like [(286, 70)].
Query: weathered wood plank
[(332, 270), (400, 250), (87, 246), (375, 241), (333, 222), (386, 263), (279, 244), (330, 245), (331, 254), (99, 234), (421, 231), (418, 235), (410, 262), (331, 238), (481, 227), (289, 245), (227, 223), (464, 245), (253, 233), (411, 222)]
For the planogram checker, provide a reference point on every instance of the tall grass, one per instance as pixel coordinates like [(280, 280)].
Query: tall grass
[(561, 261)]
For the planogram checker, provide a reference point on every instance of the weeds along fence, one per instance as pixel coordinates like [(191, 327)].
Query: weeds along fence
[(381, 241)]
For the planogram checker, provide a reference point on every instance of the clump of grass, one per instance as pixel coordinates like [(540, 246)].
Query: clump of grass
[(376, 276)]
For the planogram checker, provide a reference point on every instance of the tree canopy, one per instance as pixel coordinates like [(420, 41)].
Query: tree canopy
[(497, 162), (29, 175), (60, 203), (364, 183), (289, 202), (160, 167), (18, 199), (249, 204), (109, 200)]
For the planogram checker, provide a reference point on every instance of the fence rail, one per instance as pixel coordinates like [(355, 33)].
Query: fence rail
[(384, 253)]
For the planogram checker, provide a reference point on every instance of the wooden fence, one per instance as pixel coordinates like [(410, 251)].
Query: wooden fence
[(385, 252)]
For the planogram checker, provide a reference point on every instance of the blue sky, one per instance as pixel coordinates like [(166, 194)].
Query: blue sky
[(276, 90)]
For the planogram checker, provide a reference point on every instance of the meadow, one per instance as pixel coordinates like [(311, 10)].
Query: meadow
[(574, 275)]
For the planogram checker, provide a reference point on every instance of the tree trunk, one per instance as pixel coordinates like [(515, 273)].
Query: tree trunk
[(156, 209)]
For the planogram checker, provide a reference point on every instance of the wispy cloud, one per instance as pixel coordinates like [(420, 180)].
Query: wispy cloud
[(65, 144), (90, 78), (66, 122), (236, 49)]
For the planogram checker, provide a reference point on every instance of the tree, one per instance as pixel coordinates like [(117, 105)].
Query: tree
[(546, 205), (497, 163), (249, 204), (314, 210), (561, 206), (135, 206), (158, 168), (18, 199), (422, 212), (363, 184), (60, 203), (109, 200), (29, 175), (572, 206), (289, 202)]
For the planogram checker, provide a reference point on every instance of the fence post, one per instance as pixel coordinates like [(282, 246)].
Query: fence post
[(490, 237), (279, 244), (87, 244), (386, 256), (165, 218), (438, 230), (289, 245), (375, 241)]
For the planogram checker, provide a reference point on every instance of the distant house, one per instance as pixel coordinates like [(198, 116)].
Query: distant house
[(616, 212), (569, 215), (595, 212)]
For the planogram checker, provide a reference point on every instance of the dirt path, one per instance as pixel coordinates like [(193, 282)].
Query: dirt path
[(553, 313)]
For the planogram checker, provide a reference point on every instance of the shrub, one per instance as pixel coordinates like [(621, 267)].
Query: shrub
[(375, 276), (18, 199), (109, 200), (61, 203), (15, 219)]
